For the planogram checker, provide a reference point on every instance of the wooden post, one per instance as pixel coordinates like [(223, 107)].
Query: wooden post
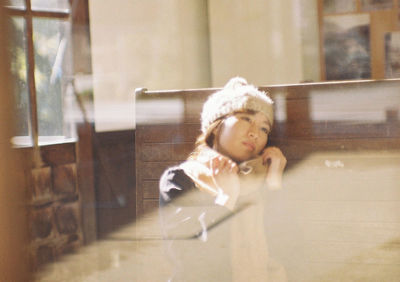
[(14, 264)]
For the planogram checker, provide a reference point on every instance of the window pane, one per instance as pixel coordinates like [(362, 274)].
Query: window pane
[(17, 48), (392, 56), (17, 3), (371, 5), (50, 4), (347, 47), (52, 66), (339, 6)]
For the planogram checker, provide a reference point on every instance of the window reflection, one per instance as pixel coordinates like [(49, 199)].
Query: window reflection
[(52, 68), (339, 6), (50, 5), (337, 212), (17, 3), (347, 48), (17, 48), (346, 105)]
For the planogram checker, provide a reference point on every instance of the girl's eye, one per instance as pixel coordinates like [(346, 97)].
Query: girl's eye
[(245, 118), (265, 130)]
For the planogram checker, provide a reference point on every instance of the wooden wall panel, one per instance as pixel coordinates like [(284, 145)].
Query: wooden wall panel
[(150, 189), (67, 219), (167, 133), (58, 154), (85, 178), (61, 198), (114, 154), (296, 149), (150, 205), (41, 223), (165, 152), (41, 183), (64, 179), (55, 204)]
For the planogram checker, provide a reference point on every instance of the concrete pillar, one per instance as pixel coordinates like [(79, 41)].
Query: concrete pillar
[(259, 40)]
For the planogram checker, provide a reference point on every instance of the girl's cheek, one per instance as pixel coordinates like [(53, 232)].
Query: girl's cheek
[(231, 121)]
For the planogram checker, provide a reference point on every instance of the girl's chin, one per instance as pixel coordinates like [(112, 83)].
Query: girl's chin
[(241, 158)]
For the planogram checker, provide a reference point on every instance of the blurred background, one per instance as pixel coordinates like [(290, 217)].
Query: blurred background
[(70, 68)]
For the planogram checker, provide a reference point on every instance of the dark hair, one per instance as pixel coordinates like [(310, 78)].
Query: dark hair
[(206, 139)]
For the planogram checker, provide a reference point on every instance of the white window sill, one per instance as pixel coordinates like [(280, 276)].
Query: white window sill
[(26, 141)]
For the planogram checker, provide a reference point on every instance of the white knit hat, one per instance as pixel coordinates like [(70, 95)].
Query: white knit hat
[(237, 95)]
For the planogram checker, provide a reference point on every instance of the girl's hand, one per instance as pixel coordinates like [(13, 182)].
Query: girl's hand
[(225, 174), (277, 162)]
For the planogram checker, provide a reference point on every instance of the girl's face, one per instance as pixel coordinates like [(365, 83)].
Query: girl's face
[(242, 136)]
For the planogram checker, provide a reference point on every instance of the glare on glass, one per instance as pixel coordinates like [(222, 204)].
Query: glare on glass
[(52, 65), (50, 4), (17, 3)]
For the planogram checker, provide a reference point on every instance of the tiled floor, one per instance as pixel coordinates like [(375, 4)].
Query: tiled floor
[(337, 219)]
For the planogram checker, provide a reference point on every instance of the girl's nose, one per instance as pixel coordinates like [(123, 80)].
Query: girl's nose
[(252, 133)]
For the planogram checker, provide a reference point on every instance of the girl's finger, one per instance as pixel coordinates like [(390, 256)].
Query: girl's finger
[(222, 164), (232, 166), (229, 165), (215, 165), (266, 156), (265, 160)]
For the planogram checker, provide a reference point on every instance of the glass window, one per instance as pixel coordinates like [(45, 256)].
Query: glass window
[(51, 39), (17, 49), (50, 4), (347, 48), (42, 66), (339, 6), (373, 5), (17, 3)]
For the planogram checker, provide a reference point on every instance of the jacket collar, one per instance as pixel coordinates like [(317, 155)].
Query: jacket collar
[(251, 166)]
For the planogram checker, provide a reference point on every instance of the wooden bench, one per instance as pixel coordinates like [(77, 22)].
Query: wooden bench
[(337, 117)]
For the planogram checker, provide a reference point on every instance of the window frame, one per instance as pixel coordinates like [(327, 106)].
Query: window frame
[(28, 15), (382, 20)]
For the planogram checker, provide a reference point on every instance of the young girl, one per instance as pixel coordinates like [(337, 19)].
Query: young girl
[(231, 150), (228, 171)]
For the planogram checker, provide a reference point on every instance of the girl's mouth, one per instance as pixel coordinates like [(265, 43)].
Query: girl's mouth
[(250, 145)]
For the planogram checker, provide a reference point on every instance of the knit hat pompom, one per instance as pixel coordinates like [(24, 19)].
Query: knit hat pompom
[(235, 82), (237, 95)]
